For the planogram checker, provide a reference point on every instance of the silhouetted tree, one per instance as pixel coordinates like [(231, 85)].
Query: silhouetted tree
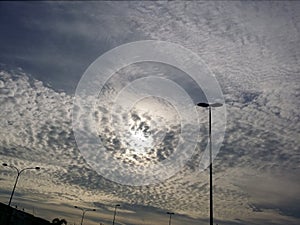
[(57, 221)]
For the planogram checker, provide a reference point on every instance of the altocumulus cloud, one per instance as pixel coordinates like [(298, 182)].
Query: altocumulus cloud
[(251, 48), (42, 127)]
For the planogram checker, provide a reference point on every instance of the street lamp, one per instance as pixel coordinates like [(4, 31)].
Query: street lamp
[(209, 106), (17, 178), (83, 212), (117, 205), (170, 213)]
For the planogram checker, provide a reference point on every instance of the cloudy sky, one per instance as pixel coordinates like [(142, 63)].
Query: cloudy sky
[(139, 155)]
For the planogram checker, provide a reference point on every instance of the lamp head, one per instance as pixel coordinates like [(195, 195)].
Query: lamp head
[(213, 105), (4, 164), (203, 104), (37, 168)]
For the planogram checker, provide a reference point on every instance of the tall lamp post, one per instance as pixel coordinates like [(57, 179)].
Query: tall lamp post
[(17, 178), (83, 212), (209, 106), (115, 212), (170, 213)]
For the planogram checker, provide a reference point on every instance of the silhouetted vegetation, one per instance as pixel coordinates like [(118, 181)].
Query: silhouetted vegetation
[(57, 221)]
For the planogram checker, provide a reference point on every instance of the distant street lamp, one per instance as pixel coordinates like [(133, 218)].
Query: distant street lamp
[(209, 106), (170, 213), (115, 212), (83, 212), (17, 178)]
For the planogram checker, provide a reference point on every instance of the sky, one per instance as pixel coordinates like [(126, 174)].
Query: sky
[(102, 95)]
